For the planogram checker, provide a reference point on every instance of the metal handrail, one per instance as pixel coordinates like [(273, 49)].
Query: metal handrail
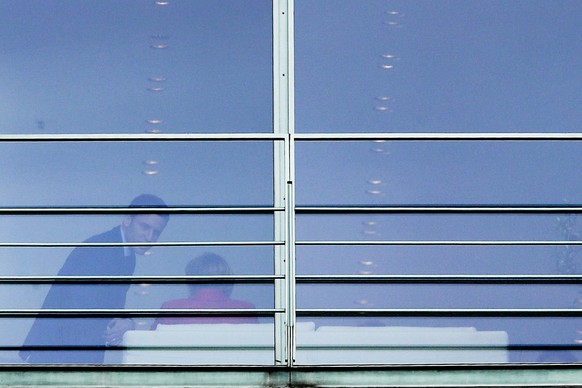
[(140, 244), (139, 210), (443, 242), (440, 209), (253, 279), (447, 313), (130, 137), (442, 136), (253, 136), (130, 313), (440, 279)]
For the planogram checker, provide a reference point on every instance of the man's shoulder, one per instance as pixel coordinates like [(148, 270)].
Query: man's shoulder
[(91, 260), (113, 235)]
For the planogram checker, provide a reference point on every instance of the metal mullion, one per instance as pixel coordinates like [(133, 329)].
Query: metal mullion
[(446, 313), (440, 279), (282, 125), (291, 244)]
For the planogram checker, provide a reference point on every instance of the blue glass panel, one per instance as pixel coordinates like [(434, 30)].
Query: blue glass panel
[(438, 172), (439, 260), (106, 66), (438, 66), (436, 227), (111, 174)]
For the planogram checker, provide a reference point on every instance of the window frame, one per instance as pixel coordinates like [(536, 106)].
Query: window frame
[(284, 139)]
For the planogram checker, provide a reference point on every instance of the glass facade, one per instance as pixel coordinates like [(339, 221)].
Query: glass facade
[(354, 183), (136, 66), (438, 66)]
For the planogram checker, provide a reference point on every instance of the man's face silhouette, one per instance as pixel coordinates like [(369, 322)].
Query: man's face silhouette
[(143, 228)]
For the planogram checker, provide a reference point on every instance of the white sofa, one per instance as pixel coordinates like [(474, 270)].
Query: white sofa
[(253, 344)]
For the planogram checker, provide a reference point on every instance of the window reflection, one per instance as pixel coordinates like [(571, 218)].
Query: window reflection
[(200, 173), (184, 228), (438, 260), (93, 261), (470, 228), (420, 54), (368, 295), (207, 295), (107, 66), (81, 339), (438, 172)]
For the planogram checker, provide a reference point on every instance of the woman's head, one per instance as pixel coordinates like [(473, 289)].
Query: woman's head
[(209, 264)]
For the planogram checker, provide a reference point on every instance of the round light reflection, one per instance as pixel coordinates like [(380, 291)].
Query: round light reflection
[(157, 79)]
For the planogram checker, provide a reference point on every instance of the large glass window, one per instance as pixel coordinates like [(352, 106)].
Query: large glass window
[(437, 66), (439, 172), (94, 96), (308, 182), (452, 235), (136, 66)]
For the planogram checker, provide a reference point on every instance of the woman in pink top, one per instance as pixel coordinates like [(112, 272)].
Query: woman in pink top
[(207, 296)]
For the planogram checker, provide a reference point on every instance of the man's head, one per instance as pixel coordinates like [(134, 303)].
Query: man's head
[(144, 227)]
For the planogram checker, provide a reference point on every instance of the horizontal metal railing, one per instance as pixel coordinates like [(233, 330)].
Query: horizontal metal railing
[(93, 210), (141, 137), (156, 244), (252, 279), (440, 242), (307, 210), (439, 279), (440, 136), (133, 313), (441, 209), (448, 313), (395, 136)]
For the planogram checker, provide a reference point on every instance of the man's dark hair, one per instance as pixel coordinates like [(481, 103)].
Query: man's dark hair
[(149, 200)]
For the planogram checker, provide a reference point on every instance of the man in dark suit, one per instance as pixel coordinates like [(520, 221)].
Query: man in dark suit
[(84, 340)]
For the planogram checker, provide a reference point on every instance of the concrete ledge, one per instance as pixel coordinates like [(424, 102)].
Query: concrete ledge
[(534, 375)]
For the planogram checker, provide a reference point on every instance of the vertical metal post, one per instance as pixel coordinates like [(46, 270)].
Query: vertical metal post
[(283, 180), (290, 249)]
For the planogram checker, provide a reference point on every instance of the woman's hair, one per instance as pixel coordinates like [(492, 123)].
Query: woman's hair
[(209, 264)]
